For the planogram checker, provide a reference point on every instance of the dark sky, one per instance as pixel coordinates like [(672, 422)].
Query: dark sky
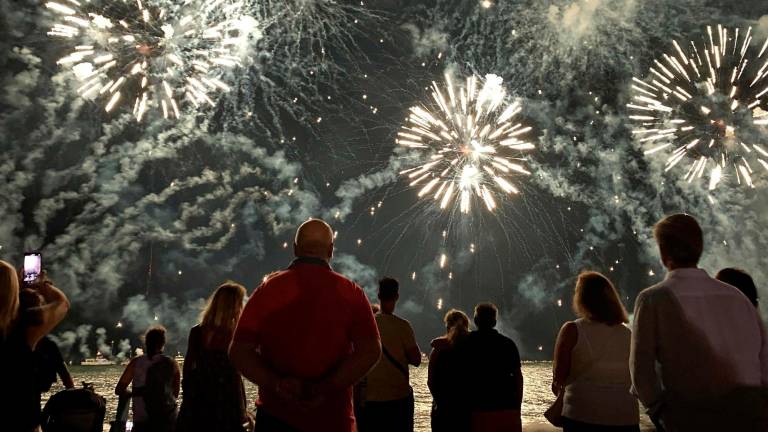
[(137, 221)]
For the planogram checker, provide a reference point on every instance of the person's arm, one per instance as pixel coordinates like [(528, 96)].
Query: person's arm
[(561, 367), (434, 358), (763, 352), (354, 367), (517, 371), (412, 350), (193, 350), (364, 336), (66, 377), (52, 311), (61, 367), (247, 359), (121, 389), (642, 357), (176, 379)]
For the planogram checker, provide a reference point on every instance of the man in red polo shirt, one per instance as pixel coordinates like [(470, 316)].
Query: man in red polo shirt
[(305, 337)]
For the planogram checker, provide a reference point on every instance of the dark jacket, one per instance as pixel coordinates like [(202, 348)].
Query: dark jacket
[(493, 366)]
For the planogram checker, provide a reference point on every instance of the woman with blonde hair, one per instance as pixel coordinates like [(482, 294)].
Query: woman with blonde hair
[(450, 411), (214, 396), (20, 331), (591, 362), (9, 298)]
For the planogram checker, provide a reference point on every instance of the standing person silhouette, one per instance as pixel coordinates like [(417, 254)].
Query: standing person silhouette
[(20, 332), (389, 402), (495, 381), (699, 357), (214, 396), (305, 337), (591, 362), (447, 378), (155, 382)]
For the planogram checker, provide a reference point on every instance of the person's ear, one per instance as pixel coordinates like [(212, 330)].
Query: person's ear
[(295, 249), (330, 251)]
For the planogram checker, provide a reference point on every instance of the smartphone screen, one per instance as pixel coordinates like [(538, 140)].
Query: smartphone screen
[(33, 265)]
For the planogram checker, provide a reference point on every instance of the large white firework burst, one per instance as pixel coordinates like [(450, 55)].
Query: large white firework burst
[(705, 105), (152, 54), (470, 143)]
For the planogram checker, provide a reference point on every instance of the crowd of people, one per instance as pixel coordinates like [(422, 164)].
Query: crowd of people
[(325, 359)]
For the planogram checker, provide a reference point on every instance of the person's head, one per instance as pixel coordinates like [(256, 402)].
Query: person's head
[(596, 299), (680, 240), (741, 280), (224, 307), (456, 324), (154, 340), (314, 238), (389, 293), (485, 316), (9, 298)]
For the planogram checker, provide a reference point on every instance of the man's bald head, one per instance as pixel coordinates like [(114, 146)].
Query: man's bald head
[(314, 238)]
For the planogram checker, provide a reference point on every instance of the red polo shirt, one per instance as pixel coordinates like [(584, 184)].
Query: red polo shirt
[(305, 320)]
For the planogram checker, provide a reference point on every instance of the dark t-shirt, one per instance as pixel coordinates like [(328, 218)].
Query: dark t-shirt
[(494, 362), (49, 363)]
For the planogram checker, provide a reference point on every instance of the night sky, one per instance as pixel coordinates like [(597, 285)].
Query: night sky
[(137, 222)]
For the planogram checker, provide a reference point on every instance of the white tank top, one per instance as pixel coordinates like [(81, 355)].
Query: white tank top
[(597, 388)]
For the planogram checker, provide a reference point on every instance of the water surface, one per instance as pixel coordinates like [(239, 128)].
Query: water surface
[(536, 394)]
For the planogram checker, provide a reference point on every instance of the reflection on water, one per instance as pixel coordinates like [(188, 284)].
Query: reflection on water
[(537, 395)]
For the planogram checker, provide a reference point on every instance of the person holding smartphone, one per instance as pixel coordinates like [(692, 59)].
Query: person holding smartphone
[(20, 331)]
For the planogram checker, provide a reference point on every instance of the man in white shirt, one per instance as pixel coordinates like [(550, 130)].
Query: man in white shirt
[(388, 395), (699, 358)]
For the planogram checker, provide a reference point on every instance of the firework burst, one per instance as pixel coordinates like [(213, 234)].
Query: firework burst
[(148, 55), (470, 143), (704, 104)]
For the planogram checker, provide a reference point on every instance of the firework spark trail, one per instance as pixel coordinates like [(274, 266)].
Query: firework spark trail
[(470, 142), (151, 55), (705, 104)]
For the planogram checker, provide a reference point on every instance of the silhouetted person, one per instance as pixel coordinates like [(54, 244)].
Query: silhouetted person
[(495, 378), (155, 382), (592, 361), (389, 402), (699, 354), (20, 332), (48, 360), (741, 280), (447, 379), (214, 396), (50, 365), (305, 337)]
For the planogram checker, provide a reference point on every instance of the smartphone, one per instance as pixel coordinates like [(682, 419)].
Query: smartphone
[(33, 265)]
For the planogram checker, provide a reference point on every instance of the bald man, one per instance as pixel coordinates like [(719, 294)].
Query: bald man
[(306, 336)]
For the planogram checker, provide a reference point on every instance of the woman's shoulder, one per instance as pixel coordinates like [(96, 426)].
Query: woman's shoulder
[(440, 343), (571, 327)]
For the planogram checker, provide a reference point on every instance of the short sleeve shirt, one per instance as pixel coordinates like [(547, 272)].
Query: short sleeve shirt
[(386, 382), (305, 321)]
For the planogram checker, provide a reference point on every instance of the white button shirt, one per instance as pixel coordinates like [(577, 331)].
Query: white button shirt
[(694, 335)]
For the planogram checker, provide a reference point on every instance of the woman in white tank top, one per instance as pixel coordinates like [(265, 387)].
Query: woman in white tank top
[(592, 361)]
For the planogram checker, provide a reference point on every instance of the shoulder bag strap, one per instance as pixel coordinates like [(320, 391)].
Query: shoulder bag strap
[(395, 363)]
